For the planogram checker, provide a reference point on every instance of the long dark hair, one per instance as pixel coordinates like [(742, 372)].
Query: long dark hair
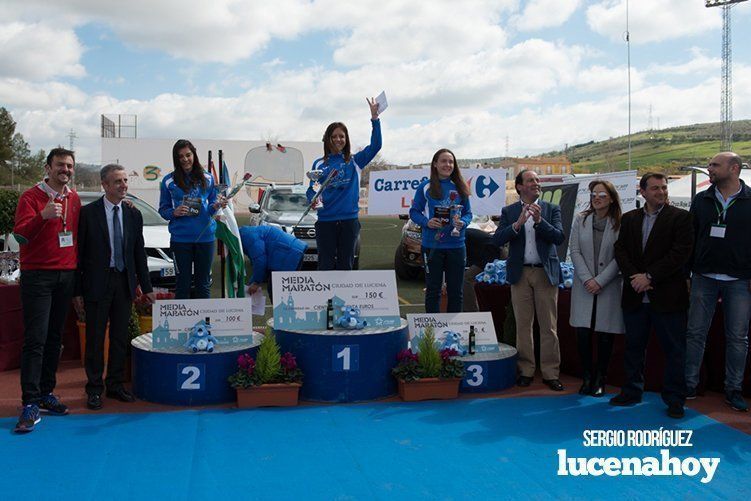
[(456, 177), (328, 149), (196, 176), (614, 212)]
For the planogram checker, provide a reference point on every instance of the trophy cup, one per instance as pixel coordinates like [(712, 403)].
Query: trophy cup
[(315, 175), (456, 211)]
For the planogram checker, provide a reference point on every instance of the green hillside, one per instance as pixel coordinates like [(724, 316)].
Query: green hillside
[(665, 150)]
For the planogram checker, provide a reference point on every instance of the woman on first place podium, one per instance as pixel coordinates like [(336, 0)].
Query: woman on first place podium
[(337, 227)]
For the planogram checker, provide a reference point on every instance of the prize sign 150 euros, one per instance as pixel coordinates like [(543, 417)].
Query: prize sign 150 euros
[(308, 300)]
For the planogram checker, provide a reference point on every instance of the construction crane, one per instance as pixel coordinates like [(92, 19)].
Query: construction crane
[(726, 93)]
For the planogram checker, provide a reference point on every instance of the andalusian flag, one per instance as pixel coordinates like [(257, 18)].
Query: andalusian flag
[(228, 232)]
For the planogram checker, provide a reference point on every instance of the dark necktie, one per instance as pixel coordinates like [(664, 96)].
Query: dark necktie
[(118, 237)]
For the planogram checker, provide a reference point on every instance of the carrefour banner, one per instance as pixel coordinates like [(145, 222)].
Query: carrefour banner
[(391, 191)]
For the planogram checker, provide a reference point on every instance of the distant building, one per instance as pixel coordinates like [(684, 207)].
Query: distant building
[(543, 166)]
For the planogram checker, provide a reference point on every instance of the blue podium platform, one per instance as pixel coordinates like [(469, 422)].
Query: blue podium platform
[(489, 372), (345, 365), (176, 377)]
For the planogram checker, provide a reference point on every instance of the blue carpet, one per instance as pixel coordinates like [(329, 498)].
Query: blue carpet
[(493, 448)]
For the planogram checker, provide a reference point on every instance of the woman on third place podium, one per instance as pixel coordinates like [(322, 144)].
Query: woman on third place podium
[(337, 227), (435, 209), (188, 200), (596, 293)]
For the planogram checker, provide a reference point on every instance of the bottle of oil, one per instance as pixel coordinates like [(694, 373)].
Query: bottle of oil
[(472, 340), (329, 314)]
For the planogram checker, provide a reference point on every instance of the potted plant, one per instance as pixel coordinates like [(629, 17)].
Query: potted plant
[(134, 331), (144, 309), (269, 380), (81, 324), (429, 373)]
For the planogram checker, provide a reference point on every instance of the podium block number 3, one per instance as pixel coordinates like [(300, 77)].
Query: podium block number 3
[(345, 357), (191, 377), (476, 377)]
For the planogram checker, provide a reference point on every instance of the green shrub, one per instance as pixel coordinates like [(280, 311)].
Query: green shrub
[(267, 361), (429, 364), (8, 203)]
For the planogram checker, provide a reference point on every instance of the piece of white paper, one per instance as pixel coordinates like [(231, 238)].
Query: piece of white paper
[(382, 103), (258, 300)]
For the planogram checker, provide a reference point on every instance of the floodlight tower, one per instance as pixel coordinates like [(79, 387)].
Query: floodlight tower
[(726, 94)]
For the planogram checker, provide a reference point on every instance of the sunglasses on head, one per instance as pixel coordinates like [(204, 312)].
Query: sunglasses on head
[(598, 194)]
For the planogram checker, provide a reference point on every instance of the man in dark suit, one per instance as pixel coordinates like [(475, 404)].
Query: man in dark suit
[(533, 229), (652, 251), (111, 263)]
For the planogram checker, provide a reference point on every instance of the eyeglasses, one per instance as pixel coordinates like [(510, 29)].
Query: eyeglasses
[(599, 194)]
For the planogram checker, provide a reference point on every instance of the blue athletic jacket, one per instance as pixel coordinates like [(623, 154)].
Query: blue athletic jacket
[(423, 209), (271, 249), (188, 229), (341, 197)]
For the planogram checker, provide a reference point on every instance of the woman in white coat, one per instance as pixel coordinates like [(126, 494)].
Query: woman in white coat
[(596, 293)]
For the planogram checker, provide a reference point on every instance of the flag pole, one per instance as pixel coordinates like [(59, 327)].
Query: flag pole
[(220, 244)]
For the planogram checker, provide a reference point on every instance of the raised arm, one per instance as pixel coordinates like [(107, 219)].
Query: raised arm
[(363, 158)]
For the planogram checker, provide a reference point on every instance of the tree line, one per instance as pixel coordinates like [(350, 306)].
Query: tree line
[(18, 165)]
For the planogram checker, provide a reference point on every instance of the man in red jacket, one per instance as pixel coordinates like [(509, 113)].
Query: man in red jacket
[(46, 227)]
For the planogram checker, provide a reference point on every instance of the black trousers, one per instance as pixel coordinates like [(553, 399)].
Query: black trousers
[(336, 243), (671, 333), (114, 307), (45, 298), (584, 346)]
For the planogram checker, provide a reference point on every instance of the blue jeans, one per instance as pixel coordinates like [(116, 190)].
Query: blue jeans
[(193, 264), (438, 262), (736, 307), (671, 333), (336, 241)]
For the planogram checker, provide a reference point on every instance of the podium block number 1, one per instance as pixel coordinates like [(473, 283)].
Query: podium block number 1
[(345, 357)]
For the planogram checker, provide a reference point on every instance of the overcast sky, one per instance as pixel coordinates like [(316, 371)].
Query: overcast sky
[(458, 74)]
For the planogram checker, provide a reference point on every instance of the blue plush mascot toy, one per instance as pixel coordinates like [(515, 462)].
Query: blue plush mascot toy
[(200, 338), (350, 318)]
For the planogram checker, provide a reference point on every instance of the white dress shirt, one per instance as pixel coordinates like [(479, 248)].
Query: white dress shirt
[(531, 256)]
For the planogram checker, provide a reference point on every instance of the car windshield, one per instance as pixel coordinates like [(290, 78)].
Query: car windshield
[(287, 202), (150, 216)]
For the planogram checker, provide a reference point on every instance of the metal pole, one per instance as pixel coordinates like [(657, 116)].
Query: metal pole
[(628, 55), (693, 184)]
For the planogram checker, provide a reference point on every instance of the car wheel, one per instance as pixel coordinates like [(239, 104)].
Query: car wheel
[(403, 270)]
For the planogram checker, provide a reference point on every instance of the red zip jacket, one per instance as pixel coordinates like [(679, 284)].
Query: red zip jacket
[(38, 238)]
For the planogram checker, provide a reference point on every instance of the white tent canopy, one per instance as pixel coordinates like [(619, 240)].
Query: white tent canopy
[(679, 190)]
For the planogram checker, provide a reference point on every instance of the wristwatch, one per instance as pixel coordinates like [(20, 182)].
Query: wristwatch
[(535, 225), (649, 277)]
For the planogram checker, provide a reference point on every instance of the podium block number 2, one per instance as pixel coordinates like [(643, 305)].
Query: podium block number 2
[(191, 377), (345, 357)]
